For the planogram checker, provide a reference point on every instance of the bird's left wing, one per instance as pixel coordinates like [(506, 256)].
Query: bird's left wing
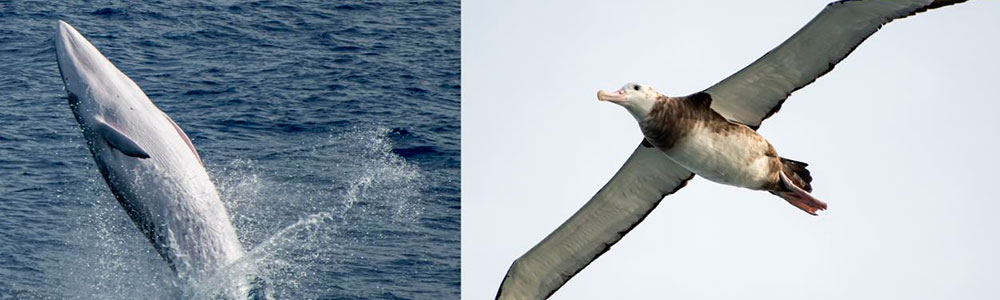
[(620, 205), (757, 91)]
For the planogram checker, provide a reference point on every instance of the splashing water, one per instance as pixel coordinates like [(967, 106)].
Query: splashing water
[(113, 260), (347, 215)]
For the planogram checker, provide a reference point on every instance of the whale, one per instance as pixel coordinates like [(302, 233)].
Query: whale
[(151, 167)]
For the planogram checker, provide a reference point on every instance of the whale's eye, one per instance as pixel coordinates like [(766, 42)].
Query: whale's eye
[(636, 87)]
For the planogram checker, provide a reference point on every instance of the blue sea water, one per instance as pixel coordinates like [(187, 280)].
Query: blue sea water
[(330, 128)]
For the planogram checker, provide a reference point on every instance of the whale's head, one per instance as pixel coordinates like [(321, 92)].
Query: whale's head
[(77, 59), (638, 99), (92, 81)]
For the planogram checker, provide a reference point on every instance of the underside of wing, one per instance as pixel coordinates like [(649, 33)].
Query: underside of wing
[(757, 91), (620, 205)]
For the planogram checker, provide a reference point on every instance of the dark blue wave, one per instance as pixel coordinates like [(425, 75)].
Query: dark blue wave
[(108, 11)]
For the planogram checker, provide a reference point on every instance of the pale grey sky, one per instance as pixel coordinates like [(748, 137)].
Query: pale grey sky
[(901, 139)]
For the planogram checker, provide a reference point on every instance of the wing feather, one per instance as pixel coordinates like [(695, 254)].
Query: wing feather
[(620, 205), (757, 91)]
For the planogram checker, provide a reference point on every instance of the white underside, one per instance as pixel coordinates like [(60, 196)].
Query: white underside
[(733, 159), (180, 200), (171, 187)]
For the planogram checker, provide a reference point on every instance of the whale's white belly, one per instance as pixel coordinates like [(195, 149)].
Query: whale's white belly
[(172, 192), (149, 164)]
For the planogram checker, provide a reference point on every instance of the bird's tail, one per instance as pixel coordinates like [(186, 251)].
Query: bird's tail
[(797, 173), (796, 181)]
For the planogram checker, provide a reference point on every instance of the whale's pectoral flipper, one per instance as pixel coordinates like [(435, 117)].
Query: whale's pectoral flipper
[(119, 140)]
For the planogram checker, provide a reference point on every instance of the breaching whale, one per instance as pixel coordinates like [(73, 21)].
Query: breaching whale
[(150, 165)]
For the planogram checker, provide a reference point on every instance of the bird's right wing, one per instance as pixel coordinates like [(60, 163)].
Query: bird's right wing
[(620, 205)]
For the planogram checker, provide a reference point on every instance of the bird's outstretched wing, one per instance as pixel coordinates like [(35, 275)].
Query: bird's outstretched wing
[(620, 205), (757, 91)]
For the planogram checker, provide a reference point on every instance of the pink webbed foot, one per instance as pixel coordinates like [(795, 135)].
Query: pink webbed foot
[(800, 198)]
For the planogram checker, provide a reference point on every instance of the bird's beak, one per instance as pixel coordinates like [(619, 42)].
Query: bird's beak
[(616, 97)]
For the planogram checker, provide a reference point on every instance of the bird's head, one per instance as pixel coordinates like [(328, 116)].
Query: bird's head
[(638, 99)]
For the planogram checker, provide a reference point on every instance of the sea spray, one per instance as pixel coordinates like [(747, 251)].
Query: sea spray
[(377, 189)]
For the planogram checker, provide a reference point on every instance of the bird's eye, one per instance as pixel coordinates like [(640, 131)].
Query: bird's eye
[(636, 87)]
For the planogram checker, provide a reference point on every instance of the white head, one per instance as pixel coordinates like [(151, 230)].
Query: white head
[(94, 84), (638, 99)]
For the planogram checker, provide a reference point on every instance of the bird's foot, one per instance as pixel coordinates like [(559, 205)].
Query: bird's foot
[(800, 198)]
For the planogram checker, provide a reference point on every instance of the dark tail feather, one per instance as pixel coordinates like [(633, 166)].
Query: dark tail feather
[(797, 173)]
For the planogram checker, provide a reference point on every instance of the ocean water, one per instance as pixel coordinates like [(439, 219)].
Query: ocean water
[(330, 128)]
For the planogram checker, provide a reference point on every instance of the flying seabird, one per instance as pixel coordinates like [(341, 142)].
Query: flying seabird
[(711, 133)]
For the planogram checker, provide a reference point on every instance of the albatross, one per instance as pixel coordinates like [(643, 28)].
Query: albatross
[(711, 134)]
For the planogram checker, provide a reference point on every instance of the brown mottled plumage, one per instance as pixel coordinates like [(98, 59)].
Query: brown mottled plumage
[(673, 118)]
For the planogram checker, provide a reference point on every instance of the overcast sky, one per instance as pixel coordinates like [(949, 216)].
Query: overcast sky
[(901, 139)]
